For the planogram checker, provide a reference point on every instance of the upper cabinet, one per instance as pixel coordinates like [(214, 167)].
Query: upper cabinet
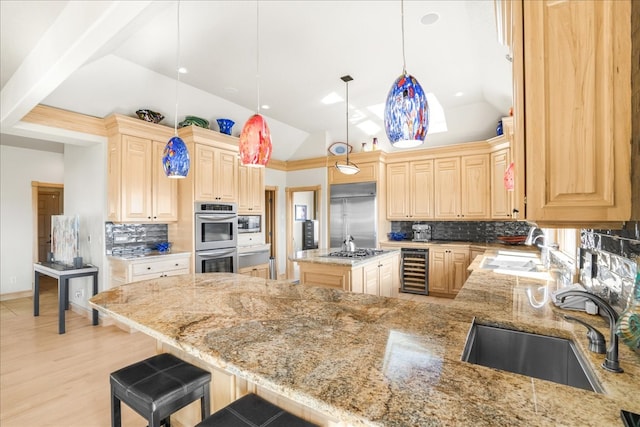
[(251, 190), (216, 174), (410, 190), (501, 198), (576, 94), (462, 187), (138, 190)]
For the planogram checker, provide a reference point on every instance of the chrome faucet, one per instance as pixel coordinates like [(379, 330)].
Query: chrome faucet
[(611, 359), (544, 248), (530, 239)]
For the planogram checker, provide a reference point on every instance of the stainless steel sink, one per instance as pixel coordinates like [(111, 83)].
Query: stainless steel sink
[(538, 356)]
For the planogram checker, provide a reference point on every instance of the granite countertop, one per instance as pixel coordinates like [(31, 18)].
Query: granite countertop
[(369, 360), (319, 256)]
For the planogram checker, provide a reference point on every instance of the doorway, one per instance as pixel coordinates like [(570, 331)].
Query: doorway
[(47, 200), (270, 223), (308, 208)]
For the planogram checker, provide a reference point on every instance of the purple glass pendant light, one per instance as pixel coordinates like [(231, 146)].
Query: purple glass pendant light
[(175, 158), (406, 112), (255, 138)]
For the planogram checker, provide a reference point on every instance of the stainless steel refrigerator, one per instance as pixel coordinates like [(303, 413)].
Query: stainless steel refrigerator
[(353, 211)]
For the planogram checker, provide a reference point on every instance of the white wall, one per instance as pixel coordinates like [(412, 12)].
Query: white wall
[(85, 196), (18, 168)]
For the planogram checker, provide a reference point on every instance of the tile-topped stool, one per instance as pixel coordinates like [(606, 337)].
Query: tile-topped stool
[(252, 410), (157, 387)]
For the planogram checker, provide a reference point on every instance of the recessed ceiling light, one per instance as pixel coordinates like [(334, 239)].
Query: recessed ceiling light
[(265, 106), (332, 98), (430, 18), (183, 70), (458, 94)]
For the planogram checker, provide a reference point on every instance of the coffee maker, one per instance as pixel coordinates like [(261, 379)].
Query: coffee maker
[(421, 232)]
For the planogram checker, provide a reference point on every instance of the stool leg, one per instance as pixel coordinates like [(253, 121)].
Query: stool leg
[(115, 412), (205, 402)]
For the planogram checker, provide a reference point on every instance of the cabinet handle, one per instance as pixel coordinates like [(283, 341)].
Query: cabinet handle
[(148, 268), (176, 264)]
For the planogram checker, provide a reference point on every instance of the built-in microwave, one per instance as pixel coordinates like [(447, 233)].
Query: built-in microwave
[(249, 224)]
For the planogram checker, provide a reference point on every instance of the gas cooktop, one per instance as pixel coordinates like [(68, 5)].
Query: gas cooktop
[(358, 253)]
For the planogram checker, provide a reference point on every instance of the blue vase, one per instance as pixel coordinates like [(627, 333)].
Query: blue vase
[(225, 125), (499, 128)]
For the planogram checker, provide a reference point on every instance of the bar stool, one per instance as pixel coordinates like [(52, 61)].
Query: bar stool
[(157, 387), (252, 410)]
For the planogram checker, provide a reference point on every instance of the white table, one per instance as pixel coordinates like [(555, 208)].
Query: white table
[(62, 273)]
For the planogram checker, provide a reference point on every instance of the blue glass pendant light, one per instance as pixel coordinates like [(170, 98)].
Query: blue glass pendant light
[(406, 112), (175, 159)]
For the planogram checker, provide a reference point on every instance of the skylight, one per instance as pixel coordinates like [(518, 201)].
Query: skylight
[(332, 98)]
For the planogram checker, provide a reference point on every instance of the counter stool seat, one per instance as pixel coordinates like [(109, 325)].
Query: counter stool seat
[(252, 410), (157, 387)]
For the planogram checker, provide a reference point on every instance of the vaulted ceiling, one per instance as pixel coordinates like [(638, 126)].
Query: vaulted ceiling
[(99, 58)]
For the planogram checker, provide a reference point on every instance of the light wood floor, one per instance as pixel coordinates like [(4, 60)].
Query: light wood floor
[(47, 379)]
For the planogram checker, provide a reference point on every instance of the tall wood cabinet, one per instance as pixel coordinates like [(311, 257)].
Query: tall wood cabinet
[(138, 190), (250, 190), (462, 187), (216, 174), (410, 190), (577, 108)]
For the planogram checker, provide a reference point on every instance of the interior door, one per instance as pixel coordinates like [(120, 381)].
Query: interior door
[(49, 203)]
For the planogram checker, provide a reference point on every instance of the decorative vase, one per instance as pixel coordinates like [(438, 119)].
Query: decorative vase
[(499, 128), (225, 125), (628, 325)]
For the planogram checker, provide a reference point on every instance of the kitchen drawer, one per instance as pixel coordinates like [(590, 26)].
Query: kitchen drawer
[(159, 266), (164, 273)]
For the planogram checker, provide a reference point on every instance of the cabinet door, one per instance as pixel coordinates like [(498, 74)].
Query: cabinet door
[(447, 187), (204, 170), (370, 276), (385, 277), (500, 196), (250, 190), (437, 271), (475, 187), (457, 268), (422, 190), (136, 179), (165, 190), (226, 176), (397, 191), (578, 110)]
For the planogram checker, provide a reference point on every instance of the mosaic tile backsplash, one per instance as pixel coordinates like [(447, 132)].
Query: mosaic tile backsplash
[(608, 262), (466, 231), (133, 239)]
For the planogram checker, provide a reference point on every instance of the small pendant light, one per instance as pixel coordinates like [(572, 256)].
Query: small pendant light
[(255, 138), (175, 158), (347, 168), (406, 112)]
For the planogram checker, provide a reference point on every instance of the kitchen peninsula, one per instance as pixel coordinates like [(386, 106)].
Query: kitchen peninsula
[(332, 356), (369, 271)]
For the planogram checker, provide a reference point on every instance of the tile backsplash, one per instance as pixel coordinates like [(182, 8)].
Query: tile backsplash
[(608, 262), (133, 239), (466, 231)]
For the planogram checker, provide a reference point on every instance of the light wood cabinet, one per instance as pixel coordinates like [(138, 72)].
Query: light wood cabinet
[(123, 271), (216, 174), (410, 190), (381, 278), (250, 190), (368, 173), (447, 270), (577, 108), (260, 270), (138, 190), (501, 198), (462, 187)]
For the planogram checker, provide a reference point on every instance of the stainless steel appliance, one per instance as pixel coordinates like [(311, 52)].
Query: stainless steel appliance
[(353, 211), (249, 223), (414, 271), (216, 237), (421, 232), (251, 258)]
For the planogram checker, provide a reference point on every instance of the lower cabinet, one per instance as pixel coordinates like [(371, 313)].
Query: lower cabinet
[(380, 278), (261, 270), (123, 271), (447, 270)]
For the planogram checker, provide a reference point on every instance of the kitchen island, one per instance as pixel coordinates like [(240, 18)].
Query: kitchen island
[(369, 271), (339, 357)]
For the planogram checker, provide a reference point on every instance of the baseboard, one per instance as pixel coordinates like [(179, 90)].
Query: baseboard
[(15, 295)]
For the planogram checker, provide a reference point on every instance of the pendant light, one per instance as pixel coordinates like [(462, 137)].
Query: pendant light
[(175, 158), (347, 168), (406, 112), (255, 138)]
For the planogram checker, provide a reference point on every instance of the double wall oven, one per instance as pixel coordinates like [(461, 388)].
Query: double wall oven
[(216, 237)]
